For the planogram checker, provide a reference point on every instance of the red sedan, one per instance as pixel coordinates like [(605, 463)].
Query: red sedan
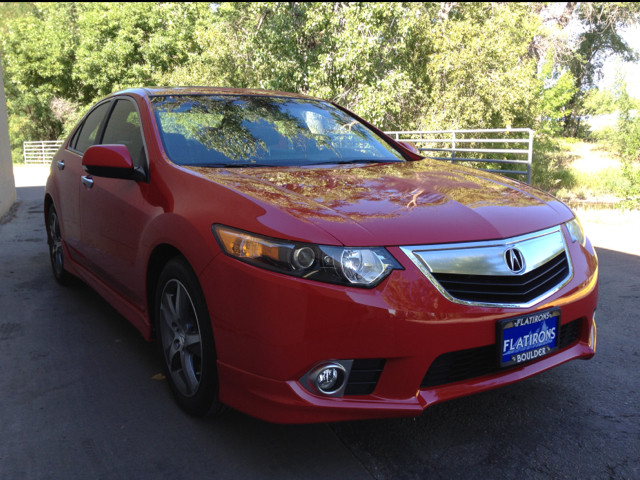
[(295, 263)]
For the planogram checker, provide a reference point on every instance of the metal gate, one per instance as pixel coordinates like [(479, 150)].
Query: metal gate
[(40, 152), (492, 147)]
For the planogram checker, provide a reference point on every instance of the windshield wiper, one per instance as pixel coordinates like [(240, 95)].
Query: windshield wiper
[(348, 162), (229, 165)]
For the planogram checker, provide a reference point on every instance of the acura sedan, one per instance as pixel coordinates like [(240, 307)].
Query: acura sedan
[(295, 263)]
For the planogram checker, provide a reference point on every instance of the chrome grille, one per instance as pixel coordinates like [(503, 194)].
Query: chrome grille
[(482, 273), (506, 289)]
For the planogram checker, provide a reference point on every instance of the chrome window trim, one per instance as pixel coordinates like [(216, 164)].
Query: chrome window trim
[(487, 258)]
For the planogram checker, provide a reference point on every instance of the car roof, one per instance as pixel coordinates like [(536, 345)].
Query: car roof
[(200, 90)]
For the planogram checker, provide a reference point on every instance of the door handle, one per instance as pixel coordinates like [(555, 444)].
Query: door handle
[(61, 165), (87, 181)]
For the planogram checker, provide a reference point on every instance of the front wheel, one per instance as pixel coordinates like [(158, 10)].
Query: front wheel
[(185, 339), (56, 251)]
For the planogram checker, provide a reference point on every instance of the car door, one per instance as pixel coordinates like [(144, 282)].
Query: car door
[(113, 211), (69, 170)]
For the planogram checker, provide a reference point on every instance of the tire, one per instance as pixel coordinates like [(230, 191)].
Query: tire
[(56, 251), (185, 340)]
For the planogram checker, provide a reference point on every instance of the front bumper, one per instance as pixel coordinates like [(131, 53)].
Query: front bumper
[(271, 329)]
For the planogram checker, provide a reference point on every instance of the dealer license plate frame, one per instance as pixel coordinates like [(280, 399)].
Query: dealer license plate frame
[(535, 335)]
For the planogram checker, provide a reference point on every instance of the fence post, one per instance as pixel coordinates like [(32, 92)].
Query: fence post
[(453, 147), (530, 157)]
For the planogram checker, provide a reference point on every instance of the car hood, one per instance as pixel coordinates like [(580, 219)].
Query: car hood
[(408, 203)]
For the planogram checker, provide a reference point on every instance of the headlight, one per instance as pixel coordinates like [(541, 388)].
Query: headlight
[(355, 266), (575, 231)]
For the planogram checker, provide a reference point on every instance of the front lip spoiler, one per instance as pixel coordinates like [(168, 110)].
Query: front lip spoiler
[(288, 402)]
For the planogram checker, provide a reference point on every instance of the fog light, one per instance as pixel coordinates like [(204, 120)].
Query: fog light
[(328, 379)]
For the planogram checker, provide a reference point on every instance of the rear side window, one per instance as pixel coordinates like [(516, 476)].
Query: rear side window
[(123, 128), (89, 131)]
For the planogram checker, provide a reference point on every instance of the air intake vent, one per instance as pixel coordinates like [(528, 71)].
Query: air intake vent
[(465, 364), (364, 376)]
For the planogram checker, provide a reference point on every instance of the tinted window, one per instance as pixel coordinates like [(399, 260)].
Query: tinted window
[(123, 128), (74, 139), (89, 132), (267, 131)]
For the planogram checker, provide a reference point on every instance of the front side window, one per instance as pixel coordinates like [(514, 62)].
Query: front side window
[(123, 128), (246, 130), (90, 129)]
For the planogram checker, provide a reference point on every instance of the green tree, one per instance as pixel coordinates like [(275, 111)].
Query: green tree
[(60, 57), (599, 102), (359, 54), (132, 44), (38, 58), (627, 140), (480, 73), (557, 89), (399, 65), (600, 38)]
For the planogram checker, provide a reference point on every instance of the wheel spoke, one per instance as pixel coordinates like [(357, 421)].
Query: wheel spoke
[(172, 349), (192, 340), (188, 373), (53, 230), (183, 303), (168, 311)]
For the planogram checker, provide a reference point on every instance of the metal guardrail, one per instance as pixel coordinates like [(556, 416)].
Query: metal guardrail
[(40, 152), (450, 144)]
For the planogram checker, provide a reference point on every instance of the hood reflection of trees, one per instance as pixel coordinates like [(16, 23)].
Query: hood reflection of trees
[(340, 191)]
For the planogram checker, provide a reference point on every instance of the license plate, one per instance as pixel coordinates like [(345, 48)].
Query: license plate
[(529, 337)]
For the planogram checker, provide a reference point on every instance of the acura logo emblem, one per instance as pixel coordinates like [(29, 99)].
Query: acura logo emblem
[(515, 260)]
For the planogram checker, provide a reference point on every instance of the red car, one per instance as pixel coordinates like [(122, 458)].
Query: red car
[(295, 263)]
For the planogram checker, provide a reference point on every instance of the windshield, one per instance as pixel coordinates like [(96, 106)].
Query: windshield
[(245, 131)]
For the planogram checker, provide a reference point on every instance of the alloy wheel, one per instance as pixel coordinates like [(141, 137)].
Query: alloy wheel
[(181, 338), (55, 245)]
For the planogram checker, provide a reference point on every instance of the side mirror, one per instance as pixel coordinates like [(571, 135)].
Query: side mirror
[(110, 161)]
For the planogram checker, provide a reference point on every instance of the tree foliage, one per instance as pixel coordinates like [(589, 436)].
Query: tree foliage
[(399, 65), (583, 55)]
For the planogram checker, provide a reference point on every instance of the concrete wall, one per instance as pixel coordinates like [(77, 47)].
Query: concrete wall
[(7, 184)]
